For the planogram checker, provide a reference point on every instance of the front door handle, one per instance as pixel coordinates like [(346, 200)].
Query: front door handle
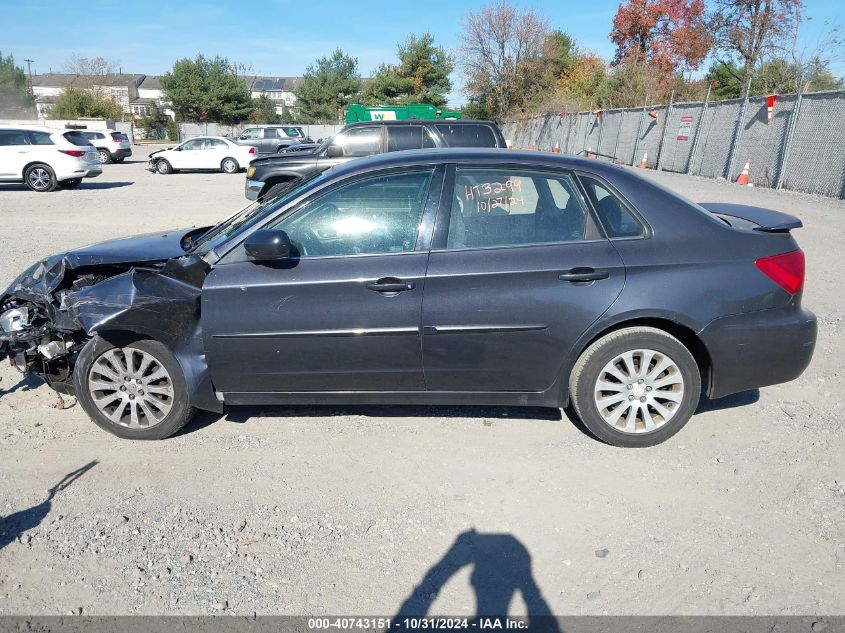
[(391, 284), (583, 274)]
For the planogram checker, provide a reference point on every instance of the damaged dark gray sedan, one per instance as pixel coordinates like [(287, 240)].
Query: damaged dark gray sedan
[(427, 277)]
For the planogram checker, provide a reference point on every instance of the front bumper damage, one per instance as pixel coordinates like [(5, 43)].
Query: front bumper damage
[(69, 299)]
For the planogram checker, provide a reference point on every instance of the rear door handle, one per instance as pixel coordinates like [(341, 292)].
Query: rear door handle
[(583, 274), (391, 284)]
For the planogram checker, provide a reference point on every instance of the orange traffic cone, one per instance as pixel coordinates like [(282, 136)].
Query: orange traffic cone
[(742, 180), (534, 146), (590, 152), (644, 161), (509, 143), (556, 148)]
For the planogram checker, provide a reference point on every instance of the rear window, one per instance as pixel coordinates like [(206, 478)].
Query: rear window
[(292, 132), (464, 135), (119, 136), (76, 138), (615, 217)]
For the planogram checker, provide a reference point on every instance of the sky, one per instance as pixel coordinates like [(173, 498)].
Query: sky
[(282, 37)]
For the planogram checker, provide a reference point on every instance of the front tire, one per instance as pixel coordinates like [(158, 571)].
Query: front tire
[(73, 183), (40, 177), (135, 391), (635, 387), (230, 166), (104, 156), (163, 167)]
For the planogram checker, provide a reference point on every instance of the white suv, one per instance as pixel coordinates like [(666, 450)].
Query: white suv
[(112, 146), (44, 158)]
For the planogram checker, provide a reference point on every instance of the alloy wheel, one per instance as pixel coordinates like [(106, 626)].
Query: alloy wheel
[(639, 391), (39, 178), (131, 388)]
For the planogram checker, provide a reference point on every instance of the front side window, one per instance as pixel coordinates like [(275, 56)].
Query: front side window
[(12, 137), (512, 207), (615, 217), (362, 141), (251, 133), (195, 143), (375, 215)]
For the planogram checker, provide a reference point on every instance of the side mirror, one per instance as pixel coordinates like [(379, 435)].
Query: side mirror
[(242, 137), (334, 151), (267, 245)]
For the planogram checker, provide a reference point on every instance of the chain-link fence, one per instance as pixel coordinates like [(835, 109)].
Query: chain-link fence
[(798, 148)]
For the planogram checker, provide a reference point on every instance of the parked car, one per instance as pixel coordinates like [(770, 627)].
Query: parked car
[(428, 277), (271, 139), (112, 146), (45, 158), (269, 176), (202, 153)]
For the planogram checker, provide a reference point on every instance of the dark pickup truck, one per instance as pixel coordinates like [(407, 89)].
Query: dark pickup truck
[(266, 177)]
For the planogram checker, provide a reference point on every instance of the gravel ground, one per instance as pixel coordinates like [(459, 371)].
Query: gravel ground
[(344, 510)]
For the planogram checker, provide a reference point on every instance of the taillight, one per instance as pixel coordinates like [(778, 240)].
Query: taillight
[(73, 152), (786, 270), (252, 150)]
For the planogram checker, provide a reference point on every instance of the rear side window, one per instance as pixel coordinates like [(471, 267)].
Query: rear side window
[(12, 137), (76, 138), (615, 217), (512, 207), (401, 137), (40, 138), (467, 135)]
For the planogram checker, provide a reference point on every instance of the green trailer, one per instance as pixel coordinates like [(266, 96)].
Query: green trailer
[(356, 112)]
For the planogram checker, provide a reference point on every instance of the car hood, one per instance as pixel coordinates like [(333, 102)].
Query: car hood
[(45, 276), (303, 157)]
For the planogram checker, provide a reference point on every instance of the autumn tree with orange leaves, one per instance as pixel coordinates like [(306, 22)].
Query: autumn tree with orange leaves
[(666, 35)]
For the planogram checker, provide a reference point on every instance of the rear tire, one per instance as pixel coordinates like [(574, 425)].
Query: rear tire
[(635, 387), (40, 177), (229, 166), (136, 391), (163, 167), (104, 156), (73, 183)]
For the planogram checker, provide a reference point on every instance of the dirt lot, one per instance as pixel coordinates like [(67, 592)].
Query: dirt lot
[(307, 510)]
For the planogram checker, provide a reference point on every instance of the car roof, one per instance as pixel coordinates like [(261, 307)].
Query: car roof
[(33, 128), (474, 156), (194, 138)]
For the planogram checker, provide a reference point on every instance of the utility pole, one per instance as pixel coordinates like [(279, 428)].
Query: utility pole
[(29, 63)]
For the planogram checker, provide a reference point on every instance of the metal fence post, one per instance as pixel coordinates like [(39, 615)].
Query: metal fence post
[(790, 134), (639, 131), (569, 119), (618, 132), (738, 132), (665, 130), (697, 138), (600, 122)]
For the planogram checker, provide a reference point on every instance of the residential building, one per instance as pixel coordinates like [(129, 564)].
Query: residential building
[(278, 89), (46, 88)]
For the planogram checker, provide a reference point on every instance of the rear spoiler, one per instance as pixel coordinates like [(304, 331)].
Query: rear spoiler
[(766, 220)]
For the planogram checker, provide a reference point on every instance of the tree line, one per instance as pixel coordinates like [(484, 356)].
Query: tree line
[(513, 63)]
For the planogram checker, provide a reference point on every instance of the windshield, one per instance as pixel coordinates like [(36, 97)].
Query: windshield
[(250, 215)]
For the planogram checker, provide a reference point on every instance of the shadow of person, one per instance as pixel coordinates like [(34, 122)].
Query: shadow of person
[(12, 526), (501, 567)]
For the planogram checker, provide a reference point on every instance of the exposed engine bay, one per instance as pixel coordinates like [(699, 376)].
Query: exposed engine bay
[(145, 286)]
